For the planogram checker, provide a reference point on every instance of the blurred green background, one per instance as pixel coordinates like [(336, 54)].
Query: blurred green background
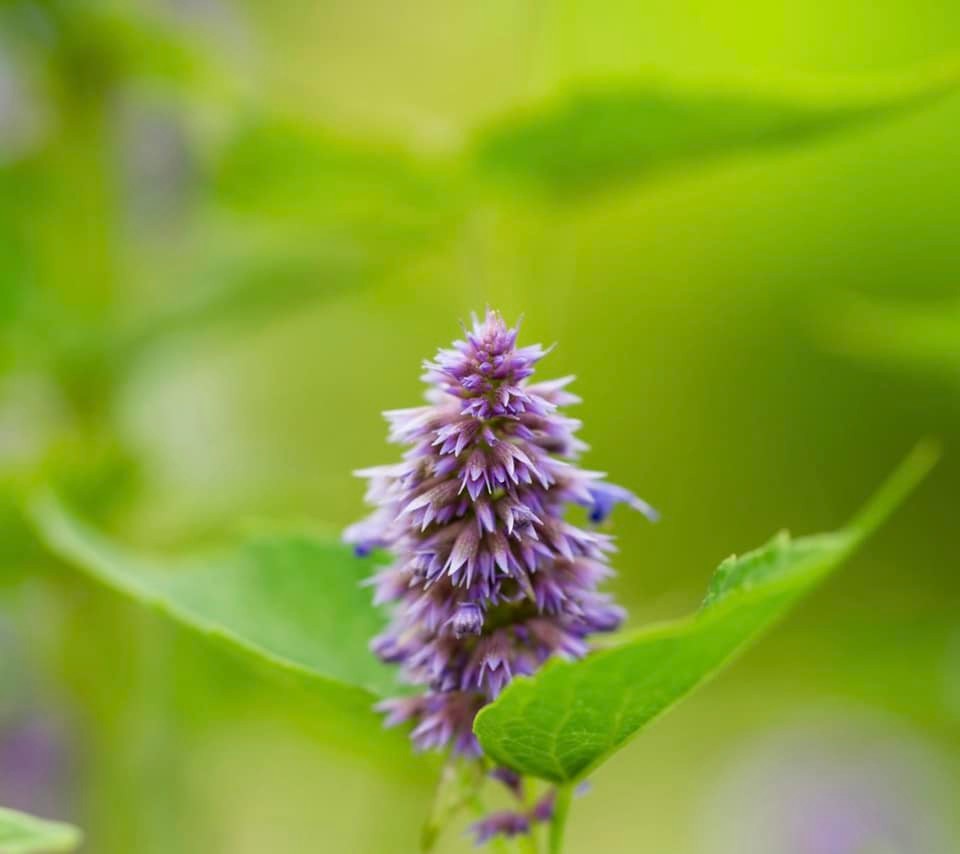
[(230, 231)]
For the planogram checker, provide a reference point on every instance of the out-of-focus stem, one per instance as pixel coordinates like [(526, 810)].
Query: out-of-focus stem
[(558, 826), (528, 842), (459, 782)]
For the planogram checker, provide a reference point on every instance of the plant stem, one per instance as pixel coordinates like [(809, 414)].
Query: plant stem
[(561, 810), (528, 842)]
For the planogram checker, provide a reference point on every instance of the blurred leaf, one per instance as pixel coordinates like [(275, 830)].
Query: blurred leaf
[(24, 834), (19, 188), (295, 601), (18, 546), (303, 215), (256, 297), (371, 197), (911, 334), (599, 138), (126, 43), (458, 787), (91, 46), (249, 282), (571, 716)]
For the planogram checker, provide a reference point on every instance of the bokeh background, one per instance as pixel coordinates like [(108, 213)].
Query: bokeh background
[(230, 231)]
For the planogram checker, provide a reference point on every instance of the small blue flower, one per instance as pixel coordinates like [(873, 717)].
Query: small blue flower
[(605, 496)]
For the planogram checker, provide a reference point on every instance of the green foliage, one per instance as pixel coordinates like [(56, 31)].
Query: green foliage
[(921, 335), (92, 45), (599, 138), (186, 171), (285, 169), (24, 834), (295, 601), (570, 717), (244, 290)]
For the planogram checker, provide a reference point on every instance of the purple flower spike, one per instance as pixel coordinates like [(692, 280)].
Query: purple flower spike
[(489, 579)]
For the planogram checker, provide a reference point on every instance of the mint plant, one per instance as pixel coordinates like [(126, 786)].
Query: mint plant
[(499, 635), (489, 578), (491, 581), (296, 603)]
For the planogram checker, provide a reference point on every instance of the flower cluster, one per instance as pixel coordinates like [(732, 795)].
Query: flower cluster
[(515, 823), (489, 578)]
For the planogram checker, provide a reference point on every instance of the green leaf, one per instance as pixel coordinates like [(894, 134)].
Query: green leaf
[(24, 834), (571, 716), (923, 335), (360, 195), (298, 214), (296, 601), (242, 292), (91, 45), (596, 138)]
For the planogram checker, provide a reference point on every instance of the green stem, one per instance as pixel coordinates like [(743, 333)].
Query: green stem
[(907, 475), (528, 842), (561, 810), (459, 782)]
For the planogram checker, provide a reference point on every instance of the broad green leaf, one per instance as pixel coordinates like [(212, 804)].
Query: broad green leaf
[(567, 719), (296, 601), (921, 335), (302, 214), (93, 44), (243, 292), (595, 138), (17, 544), (23, 834), (371, 197)]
